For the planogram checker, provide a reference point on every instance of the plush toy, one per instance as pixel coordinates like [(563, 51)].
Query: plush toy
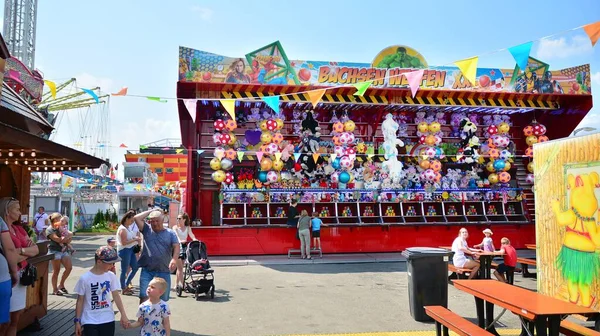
[(440, 117), (420, 117), (487, 120), (309, 123)]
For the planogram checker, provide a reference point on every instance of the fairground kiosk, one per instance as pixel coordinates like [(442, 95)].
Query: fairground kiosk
[(23, 150), (466, 159)]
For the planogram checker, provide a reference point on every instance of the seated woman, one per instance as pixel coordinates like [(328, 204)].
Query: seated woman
[(460, 248)]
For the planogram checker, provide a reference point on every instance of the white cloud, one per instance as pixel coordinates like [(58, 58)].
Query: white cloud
[(596, 78), (88, 81), (563, 47), (205, 14)]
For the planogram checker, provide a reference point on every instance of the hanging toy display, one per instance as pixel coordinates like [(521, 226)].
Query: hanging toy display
[(391, 165), (344, 150), (469, 145), (271, 139), (430, 135), (310, 138), (497, 149), (534, 133), (224, 154)]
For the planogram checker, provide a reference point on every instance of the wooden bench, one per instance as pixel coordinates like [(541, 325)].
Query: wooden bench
[(573, 329), (525, 266), (457, 273), (298, 252), (445, 319)]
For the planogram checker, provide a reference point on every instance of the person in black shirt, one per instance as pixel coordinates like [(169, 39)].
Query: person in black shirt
[(293, 215)]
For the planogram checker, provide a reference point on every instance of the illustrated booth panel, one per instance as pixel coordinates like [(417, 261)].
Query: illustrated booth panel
[(567, 193)]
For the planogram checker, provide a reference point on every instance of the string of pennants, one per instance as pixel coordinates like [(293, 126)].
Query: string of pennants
[(467, 66)]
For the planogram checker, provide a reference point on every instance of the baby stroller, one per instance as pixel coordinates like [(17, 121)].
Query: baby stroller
[(198, 277)]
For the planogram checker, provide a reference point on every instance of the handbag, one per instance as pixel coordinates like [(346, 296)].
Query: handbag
[(28, 275), (137, 248)]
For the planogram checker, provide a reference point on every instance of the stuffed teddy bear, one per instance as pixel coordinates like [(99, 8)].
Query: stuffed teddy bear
[(440, 117), (420, 117)]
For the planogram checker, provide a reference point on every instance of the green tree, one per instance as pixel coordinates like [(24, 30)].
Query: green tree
[(98, 218)]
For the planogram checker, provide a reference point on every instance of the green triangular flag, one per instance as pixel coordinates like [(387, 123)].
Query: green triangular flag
[(143, 147), (362, 87)]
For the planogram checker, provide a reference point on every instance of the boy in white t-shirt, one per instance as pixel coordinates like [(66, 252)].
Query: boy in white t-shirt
[(153, 314), (94, 314)]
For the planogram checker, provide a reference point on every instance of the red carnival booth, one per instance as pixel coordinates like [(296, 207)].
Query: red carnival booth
[(383, 169)]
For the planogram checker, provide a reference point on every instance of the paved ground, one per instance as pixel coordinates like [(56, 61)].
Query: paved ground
[(276, 296)]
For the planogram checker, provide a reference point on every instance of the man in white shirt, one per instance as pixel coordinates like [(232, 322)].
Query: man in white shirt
[(41, 222)]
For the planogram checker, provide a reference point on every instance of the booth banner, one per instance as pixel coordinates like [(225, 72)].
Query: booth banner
[(270, 65), (67, 185), (567, 220)]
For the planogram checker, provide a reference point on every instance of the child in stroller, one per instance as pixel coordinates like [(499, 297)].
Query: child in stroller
[(198, 276)]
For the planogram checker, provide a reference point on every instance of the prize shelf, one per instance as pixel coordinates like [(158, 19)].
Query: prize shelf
[(378, 213)]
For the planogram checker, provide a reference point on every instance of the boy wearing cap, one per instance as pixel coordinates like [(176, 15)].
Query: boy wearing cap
[(487, 245), (94, 314)]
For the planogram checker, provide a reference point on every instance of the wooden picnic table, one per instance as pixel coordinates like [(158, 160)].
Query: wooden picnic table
[(531, 246), (543, 311)]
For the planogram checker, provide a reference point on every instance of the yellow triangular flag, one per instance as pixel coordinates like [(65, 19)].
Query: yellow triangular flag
[(593, 32), (370, 156), (52, 86), (468, 67), (277, 156), (315, 157), (333, 156), (229, 105), (315, 96), (179, 151), (240, 155)]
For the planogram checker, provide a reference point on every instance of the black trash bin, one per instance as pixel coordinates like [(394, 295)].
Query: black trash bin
[(427, 279)]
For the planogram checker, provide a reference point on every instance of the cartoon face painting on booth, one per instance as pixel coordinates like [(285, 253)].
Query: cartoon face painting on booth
[(579, 258)]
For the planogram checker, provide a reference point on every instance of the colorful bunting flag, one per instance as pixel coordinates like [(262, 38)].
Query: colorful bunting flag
[(122, 92), (593, 32), (296, 157), (229, 105), (315, 157), (362, 87), (179, 151), (273, 102), (200, 151), (315, 96), (157, 99), (259, 156), (333, 156), (240, 155), (468, 67), (143, 147), (52, 86), (190, 105), (370, 156), (414, 79), (277, 156), (121, 145), (92, 93), (521, 54)]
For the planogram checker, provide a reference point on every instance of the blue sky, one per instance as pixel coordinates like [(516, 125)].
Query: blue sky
[(135, 43)]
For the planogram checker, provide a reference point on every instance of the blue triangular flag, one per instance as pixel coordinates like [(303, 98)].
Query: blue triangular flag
[(92, 93), (521, 54), (273, 102), (296, 156), (200, 151)]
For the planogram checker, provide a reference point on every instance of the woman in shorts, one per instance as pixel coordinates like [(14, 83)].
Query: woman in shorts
[(461, 249), (55, 247)]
